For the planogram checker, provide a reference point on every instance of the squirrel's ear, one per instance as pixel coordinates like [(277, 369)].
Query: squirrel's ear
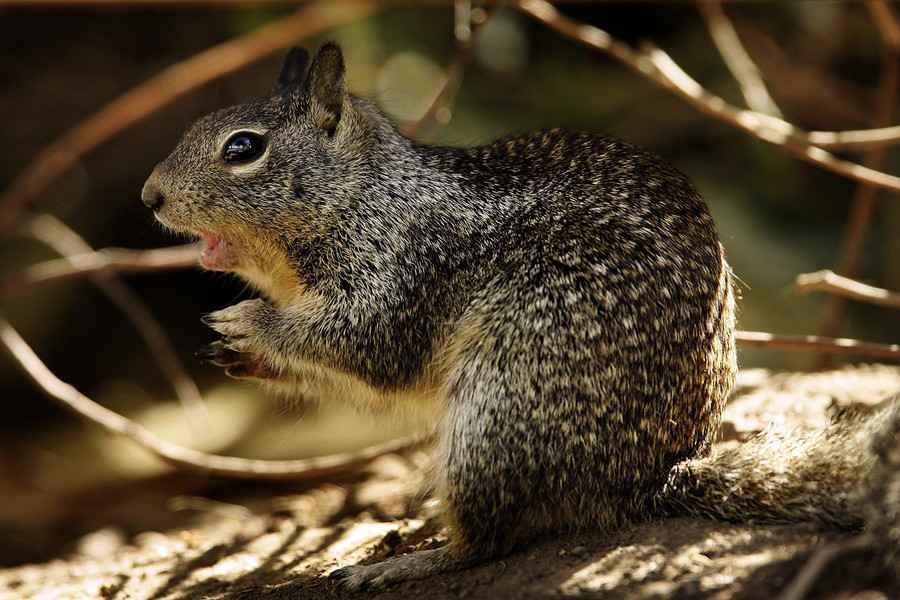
[(326, 85), (293, 70)]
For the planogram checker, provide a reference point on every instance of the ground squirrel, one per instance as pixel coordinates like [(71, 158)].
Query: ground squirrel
[(558, 305)]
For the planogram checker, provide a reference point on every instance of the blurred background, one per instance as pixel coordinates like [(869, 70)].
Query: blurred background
[(822, 60)]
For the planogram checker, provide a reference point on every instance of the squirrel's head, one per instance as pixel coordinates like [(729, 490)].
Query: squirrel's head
[(252, 179)]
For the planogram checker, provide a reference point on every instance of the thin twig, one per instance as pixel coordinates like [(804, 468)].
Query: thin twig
[(736, 58), (444, 97), (466, 34), (829, 281), (864, 201), (179, 456), (158, 91), (657, 66), (855, 140), (814, 92), (107, 260), (815, 343), (57, 235), (858, 225), (803, 582)]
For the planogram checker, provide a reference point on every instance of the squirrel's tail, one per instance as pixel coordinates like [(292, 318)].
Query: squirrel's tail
[(824, 476)]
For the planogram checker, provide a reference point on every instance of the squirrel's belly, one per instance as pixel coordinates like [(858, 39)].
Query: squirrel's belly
[(325, 384)]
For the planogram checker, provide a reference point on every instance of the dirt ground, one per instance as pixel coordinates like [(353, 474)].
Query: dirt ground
[(215, 539)]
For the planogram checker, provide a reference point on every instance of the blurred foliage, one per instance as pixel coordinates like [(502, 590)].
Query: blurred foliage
[(777, 216)]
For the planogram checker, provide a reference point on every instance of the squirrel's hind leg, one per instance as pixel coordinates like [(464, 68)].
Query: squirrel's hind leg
[(416, 565), (480, 529), (482, 486)]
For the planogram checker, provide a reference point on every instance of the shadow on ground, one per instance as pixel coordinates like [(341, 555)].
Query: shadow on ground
[(240, 541)]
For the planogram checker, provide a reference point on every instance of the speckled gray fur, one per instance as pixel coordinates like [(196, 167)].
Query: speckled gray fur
[(557, 303)]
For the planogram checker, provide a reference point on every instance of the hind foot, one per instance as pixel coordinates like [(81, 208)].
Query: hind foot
[(417, 565)]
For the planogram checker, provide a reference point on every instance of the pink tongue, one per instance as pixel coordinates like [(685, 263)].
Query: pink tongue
[(215, 251)]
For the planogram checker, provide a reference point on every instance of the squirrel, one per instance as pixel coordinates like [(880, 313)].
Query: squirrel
[(557, 305)]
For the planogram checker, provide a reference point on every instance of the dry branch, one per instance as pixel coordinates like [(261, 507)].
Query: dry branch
[(856, 140), (241, 468), (859, 223), (156, 92), (807, 86), (466, 35), (57, 235), (445, 96), (736, 58), (179, 456), (108, 260), (657, 66), (829, 281), (219, 60), (815, 343)]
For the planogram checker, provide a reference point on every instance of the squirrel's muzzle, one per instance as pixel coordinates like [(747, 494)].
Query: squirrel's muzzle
[(152, 195)]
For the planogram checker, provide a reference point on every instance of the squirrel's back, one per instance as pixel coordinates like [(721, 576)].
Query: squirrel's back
[(601, 328)]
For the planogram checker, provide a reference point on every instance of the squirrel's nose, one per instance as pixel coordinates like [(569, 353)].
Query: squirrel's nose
[(151, 195), (152, 198)]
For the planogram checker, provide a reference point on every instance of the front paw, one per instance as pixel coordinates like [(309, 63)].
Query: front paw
[(242, 326), (236, 364)]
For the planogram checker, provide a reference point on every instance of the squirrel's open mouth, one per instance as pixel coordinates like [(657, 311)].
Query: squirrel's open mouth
[(218, 253)]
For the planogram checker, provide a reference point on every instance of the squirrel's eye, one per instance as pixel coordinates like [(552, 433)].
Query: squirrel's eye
[(243, 147)]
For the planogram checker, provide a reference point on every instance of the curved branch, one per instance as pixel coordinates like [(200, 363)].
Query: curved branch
[(158, 91), (829, 281), (736, 58), (465, 44), (817, 343), (859, 221), (857, 140), (179, 456), (107, 260), (57, 235), (657, 66)]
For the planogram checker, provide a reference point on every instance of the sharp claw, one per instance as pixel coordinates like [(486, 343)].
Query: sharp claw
[(340, 574), (346, 579), (214, 354), (219, 354), (205, 354)]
